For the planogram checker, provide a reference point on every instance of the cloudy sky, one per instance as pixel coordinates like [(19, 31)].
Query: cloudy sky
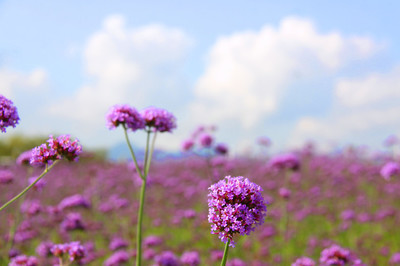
[(291, 71)]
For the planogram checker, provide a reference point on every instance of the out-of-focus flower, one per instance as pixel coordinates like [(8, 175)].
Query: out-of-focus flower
[(167, 258), (236, 206), (56, 149), (264, 141), (190, 258), (124, 114), (390, 169), (118, 243), (334, 255), (152, 241), (8, 114), (24, 158), (159, 119), (221, 148), (23, 260), (73, 221), (235, 262), (395, 258), (206, 140), (187, 145), (117, 258), (44, 249), (31, 207), (76, 200), (6, 177), (39, 185), (303, 261), (75, 250), (285, 161), (347, 215), (391, 141), (284, 193)]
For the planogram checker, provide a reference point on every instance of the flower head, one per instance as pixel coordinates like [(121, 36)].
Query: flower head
[(285, 161), (124, 114), (8, 114), (190, 258), (335, 255), (24, 260), (159, 119), (236, 206), (390, 169), (167, 258), (303, 261), (56, 149)]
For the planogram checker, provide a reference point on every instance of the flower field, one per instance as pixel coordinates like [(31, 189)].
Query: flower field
[(339, 199)]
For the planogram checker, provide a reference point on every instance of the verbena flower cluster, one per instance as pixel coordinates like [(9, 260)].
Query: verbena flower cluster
[(74, 250), (8, 114), (236, 206), (203, 138), (56, 149), (159, 119), (153, 118), (390, 169), (335, 255), (285, 161)]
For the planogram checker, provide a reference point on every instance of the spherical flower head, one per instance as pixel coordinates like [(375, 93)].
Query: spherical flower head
[(24, 260), (24, 158), (159, 119), (285, 161), (221, 148), (124, 114), (236, 206), (206, 140), (117, 258), (395, 258), (167, 258), (334, 255), (190, 258), (284, 193), (8, 114), (390, 169), (187, 145), (56, 149), (6, 177), (76, 251), (303, 261)]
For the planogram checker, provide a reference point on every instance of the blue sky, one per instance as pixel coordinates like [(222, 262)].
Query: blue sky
[(327, 71)]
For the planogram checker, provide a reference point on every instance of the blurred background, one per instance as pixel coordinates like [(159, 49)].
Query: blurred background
[(327, 72)]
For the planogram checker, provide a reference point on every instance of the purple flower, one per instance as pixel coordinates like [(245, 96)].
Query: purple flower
[(73, 221), (8, 114), (284, 193), (74, 201), (24, 158), (56, 149), (390, 169), (44, 249), (285, 161), (118, 243), (235, 262), (303, 261), (190, 258), (117, 258), (206, 140), (39, 185), (236, 206), (334, 255), (76, 251), (23, 260), (159, 119), (152, 241), (395, 258), (187, 145), (124, 114), (6, 177), (167, 258), (221, 148)]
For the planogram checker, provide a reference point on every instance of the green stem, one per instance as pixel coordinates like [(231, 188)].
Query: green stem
[(150, 155), (224, 259), (28, 187), (132, 153), (146, 153), (139, 226)]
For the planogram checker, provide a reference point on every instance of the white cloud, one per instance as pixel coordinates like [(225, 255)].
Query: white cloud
[(371, 89), (126, 65), (248, 73), (12, 81), (363, 105)]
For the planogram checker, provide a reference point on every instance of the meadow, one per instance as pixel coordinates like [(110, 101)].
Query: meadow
[(330, 199)]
